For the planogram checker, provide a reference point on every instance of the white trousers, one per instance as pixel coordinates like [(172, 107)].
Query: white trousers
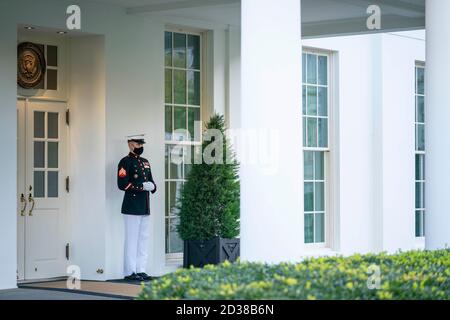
[(137, 234)]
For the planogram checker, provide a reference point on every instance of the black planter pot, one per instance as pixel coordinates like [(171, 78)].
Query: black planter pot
[(214, 251)]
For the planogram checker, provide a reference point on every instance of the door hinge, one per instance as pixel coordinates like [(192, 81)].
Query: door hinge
[(67, 184), (67, 117), (67, 251)]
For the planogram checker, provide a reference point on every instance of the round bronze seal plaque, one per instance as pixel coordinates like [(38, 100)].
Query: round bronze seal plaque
[(31, 65)]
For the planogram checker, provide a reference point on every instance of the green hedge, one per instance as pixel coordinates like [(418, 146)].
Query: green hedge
[(409, 275)]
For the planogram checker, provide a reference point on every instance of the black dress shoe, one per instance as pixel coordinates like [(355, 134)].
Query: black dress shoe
[(144, 276), (134, 277)]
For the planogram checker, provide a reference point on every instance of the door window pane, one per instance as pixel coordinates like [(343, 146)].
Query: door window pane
[(52, 186), (180, 123), (176, 162), (319, 165), (420, 80), (39, 154), (420, 195), (39, 184), (420, 167), (52, 125), (421, 137), (39, 124), (52, 155)]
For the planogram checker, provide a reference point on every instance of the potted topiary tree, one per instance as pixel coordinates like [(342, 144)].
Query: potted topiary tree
[(210, 202)]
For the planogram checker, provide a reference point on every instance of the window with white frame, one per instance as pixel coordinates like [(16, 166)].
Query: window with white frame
[(420, 151), (183, 78), (315, 114)]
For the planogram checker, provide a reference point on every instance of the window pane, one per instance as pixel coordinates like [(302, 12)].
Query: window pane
[(52, 79), (309, 228), (179, 123), (309, 165), (420, 117), (168, 49), (175, 189), (312, 101), (322, 101), (304, 131), (39, 154), (420, 167), (319, 222), (311, 68), (180, 86), (176, 244), (420, 193), (168, 122), (176, 162), (193, 52), (52, 155), (319, 165), (304, 100), (166, 164), (194, 88), (420, 81), (39, 124), (193, 116), (323, 132), (323, 70), (39, 184), (52, 131), (52, 56), (304, 67), (319, 197), (179, 50), (52, 180), (309, 197), (167, 201), (167, 235), (168, 86), (312, 132), (421, 137), (418, 223)]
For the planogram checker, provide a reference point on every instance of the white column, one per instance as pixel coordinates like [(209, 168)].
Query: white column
[(437, 117), (272, 193)]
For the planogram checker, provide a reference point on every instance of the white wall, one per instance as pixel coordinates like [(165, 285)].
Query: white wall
[(376, 139), (87, 154), (8, 136)]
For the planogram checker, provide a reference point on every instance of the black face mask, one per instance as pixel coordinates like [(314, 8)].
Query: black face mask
[(138, 151)]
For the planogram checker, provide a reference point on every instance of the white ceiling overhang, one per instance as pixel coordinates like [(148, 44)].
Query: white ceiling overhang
[(319, 17)]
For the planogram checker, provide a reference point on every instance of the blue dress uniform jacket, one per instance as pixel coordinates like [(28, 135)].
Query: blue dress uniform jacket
[(132, 172)]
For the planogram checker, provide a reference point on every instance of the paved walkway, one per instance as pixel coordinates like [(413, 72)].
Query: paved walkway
[(38, 294)]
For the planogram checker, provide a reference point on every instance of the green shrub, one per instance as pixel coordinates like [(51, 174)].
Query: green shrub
[(410, 275), (209, 204)]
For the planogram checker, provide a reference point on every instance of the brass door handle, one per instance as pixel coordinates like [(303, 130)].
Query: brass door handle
[(31, 200), (24, 201)]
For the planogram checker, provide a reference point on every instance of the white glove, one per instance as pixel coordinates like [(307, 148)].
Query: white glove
[(149, 186)]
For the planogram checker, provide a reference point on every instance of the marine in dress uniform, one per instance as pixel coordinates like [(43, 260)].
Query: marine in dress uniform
[(134, 176)]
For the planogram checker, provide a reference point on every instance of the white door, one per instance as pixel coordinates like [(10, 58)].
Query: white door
[(41, 189)]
